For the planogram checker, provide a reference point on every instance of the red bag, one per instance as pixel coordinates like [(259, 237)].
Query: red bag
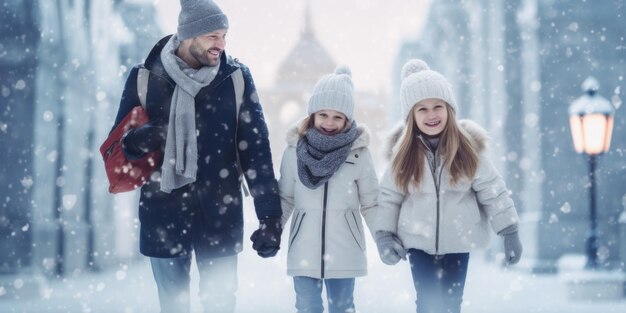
[(126, 175)]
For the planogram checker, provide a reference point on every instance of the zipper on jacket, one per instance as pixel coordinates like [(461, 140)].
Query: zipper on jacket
[(437, 188), (324, 228)]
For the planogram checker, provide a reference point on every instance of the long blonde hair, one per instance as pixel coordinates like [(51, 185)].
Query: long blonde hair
[(461, 158)]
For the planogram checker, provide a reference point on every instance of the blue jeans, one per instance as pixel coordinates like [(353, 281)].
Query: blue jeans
[(218, 283), (338, 291), (439, 280)]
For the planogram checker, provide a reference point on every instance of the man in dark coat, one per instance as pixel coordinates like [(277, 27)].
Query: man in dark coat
[(194, 202)]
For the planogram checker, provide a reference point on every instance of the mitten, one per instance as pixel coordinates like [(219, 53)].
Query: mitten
[(512, 245), (266, 239), (143, 139), (390, 247)]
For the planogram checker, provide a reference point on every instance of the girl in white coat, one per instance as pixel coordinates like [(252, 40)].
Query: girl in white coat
[(440, 194), (327, 183)]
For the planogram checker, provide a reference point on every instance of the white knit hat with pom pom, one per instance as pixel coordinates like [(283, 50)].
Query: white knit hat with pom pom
[(334, 92), (419, 82)]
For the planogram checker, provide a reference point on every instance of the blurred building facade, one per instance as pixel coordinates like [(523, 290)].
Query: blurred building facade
[(19, 42), (64, 65), (516, 65), (286, 102)]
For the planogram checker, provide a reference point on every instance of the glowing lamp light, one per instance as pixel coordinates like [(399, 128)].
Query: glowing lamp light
[(591, 120)]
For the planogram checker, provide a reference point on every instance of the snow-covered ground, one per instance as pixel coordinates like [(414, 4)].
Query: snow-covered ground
[(264, 287)]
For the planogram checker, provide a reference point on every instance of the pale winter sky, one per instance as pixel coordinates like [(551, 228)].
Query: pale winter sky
[(364, 34)]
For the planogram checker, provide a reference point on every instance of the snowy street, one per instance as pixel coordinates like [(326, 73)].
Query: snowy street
[(264, 287)]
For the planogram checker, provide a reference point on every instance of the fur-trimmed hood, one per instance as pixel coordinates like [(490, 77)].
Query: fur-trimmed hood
[(362, 141), (476, 134)]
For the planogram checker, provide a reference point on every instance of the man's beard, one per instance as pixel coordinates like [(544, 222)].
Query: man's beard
[(201, 56)]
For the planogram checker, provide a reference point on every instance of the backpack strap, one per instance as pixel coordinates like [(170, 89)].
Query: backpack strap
[(142, 85), (240, 86)]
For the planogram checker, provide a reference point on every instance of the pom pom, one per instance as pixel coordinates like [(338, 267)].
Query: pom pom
[(413, 66), (343, 69)]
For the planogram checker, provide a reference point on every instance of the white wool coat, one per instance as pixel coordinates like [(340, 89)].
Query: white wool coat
[(454, 218), (328, 241)]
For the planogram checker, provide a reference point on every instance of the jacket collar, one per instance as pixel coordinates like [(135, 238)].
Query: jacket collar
[(154, 64)]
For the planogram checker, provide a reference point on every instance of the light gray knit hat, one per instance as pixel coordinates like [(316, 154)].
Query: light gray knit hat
[(334, 92), (419, 82), (199, 17)]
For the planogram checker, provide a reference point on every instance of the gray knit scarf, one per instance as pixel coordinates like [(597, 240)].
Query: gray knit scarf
[(320, 156), (180, 160)]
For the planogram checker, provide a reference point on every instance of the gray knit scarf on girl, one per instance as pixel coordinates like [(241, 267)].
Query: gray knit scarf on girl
[(320, 156), (180, 160)]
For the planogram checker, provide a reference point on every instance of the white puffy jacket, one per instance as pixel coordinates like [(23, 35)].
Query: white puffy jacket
[(327, 237), (451, 218)]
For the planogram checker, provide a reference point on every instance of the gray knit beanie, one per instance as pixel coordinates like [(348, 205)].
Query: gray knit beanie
[(199, 17), (419, 82), (334, 92)]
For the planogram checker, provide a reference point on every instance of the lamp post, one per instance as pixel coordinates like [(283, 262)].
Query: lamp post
[(591, 123)]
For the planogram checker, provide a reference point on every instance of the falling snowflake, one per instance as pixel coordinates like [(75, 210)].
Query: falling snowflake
[(617, 101), (69, 201), (224, 173), (251, 174), (18, 283), (101, 95), (120, 275), (47, 263), (20, 84), (603, 253), (553, 219), (27, 182), (48, 116), (227, 199), (5, 91)]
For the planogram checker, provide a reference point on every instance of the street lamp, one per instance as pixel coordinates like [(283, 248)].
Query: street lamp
[(591, 122)]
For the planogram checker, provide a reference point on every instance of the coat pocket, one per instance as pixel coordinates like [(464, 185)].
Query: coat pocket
[(355, 228), (295, 228)]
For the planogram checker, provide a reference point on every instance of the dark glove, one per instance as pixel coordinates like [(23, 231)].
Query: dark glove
[(266, 239), (512, 245), (144, 139), (390, 247)]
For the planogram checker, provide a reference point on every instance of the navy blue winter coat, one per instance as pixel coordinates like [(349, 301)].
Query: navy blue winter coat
[(206, 215)]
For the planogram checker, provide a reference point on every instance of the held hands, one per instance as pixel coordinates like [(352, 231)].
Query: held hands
[(390, 247), (512, 245), (144, 139), (266, 239)]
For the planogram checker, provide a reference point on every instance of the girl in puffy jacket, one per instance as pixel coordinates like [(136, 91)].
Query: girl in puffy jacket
[(327, 183), (440, 194)]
